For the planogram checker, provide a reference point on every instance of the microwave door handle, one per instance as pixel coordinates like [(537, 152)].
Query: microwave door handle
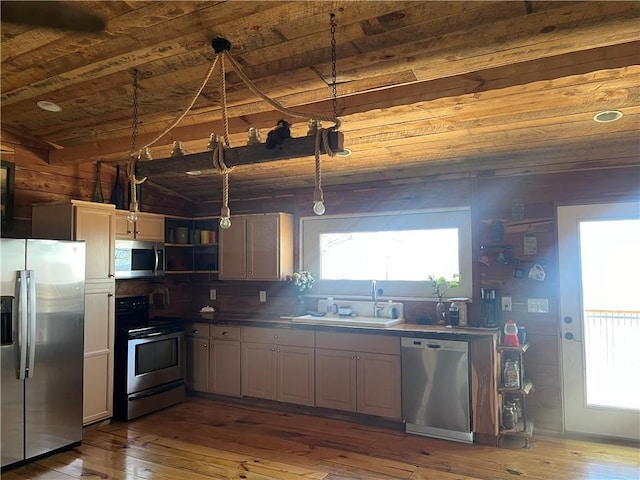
[(23, 325), (32, 323), (155, 252)]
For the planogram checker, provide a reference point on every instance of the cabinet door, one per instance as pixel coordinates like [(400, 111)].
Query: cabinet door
[(97, 228), (233, 248), (296, 375), (336, 379), (99, 332), (263, 253), (149, 227), (225, 367), (259, 370), (124, 228), (197, 364), (379, 391)]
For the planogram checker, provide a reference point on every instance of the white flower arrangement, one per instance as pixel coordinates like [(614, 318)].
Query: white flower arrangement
[(302, 279)]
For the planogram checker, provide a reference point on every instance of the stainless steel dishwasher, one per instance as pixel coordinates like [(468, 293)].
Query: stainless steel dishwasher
[(436, 400)]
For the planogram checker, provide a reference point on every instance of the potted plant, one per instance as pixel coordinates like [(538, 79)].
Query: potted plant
[(440, 286)]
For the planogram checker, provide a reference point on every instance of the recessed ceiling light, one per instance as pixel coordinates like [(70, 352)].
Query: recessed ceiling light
[(608, 116), (49, 106), (344, 153), (194, 172)]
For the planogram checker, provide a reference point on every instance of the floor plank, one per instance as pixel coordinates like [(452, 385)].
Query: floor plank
[(206, 438)]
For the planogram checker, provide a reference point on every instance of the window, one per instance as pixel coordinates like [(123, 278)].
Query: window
[(398, 250)]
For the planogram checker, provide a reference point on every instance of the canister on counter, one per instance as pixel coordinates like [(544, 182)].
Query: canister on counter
[(522, 335)]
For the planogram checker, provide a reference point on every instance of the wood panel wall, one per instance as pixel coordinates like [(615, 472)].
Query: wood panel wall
[(490, 198)]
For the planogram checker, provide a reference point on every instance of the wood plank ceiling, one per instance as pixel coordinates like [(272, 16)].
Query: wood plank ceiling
[(423, 88)]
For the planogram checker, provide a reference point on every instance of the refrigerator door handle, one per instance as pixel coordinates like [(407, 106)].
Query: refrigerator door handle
[(31, 274), (23, 325)]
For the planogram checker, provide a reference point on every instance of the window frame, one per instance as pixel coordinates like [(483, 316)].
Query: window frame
[(456, 217)]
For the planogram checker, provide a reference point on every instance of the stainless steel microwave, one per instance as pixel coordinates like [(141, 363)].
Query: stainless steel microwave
[(139, 259)]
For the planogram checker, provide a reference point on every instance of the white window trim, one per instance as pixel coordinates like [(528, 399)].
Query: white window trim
[(312, 227)]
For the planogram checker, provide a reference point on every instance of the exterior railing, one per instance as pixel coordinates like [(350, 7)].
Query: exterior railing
[(612, 353)]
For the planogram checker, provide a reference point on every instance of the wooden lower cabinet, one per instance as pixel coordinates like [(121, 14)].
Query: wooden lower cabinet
[(213, 358), (99, 332), (282, 371), (360, 380), (197, 364), (224, 372)]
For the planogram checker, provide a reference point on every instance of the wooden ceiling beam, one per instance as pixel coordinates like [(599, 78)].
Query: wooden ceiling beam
[(353, 106)]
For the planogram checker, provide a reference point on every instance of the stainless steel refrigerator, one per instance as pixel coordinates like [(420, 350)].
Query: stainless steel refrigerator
[(42, 345)]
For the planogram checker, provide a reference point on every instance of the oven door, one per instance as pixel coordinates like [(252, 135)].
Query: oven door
[(154, 361)]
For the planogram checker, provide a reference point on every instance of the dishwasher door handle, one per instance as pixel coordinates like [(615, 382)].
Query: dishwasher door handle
[(433, 345)]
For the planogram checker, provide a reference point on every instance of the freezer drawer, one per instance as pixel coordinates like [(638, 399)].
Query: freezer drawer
[(435, 388)]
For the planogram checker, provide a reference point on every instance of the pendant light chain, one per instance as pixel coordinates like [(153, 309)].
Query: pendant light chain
[(322, 134), (131, 165), (134, 127), (334, 76)]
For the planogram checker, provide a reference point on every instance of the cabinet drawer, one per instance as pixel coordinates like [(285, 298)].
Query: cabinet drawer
[(358, 342), (196, 330), (225, 332), (280, 336)]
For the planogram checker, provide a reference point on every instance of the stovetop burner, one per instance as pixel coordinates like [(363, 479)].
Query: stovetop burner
[(132, 319)]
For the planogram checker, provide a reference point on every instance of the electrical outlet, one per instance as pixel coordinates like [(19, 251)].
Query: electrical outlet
[(263, 296), (212, 294), (506, 304), (537, 305)]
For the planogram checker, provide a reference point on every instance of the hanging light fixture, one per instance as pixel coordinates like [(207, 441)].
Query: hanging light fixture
[(329, 141)]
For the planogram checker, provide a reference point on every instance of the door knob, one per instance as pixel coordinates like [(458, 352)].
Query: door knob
[(568, 336), (567, 320)]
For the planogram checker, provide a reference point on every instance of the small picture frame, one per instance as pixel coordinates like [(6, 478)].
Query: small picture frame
[(7, 182)]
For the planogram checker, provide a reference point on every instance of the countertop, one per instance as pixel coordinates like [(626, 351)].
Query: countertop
[(277, 321)]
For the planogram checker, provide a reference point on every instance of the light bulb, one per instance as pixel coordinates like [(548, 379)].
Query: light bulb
[(318, 208), (132, 217), (225, 222)]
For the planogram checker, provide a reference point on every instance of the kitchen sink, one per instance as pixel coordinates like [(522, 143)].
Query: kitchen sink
[(348, 321)]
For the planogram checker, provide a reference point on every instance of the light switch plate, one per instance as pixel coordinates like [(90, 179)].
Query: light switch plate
[(263, 296), (212, 294), (506, 304), (537, 305)]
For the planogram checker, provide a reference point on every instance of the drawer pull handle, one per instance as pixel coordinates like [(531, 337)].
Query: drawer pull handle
[(225, 333)]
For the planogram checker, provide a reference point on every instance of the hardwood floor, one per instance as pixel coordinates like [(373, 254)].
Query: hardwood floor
[(203, 439)]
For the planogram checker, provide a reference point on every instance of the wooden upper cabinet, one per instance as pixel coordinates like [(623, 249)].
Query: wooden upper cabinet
[(79, 220), (149, 226), (257, 247)]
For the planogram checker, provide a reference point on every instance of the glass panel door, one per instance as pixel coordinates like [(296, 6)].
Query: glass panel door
[(600, 318)]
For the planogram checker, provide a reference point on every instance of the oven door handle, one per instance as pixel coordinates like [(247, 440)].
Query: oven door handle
[(155, 390), (154, 337)]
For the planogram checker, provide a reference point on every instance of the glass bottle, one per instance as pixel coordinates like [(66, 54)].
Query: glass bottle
[(117, 193), (97, 192)]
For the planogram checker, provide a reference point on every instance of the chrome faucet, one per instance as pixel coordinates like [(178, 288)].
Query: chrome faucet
[(374, 297)]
